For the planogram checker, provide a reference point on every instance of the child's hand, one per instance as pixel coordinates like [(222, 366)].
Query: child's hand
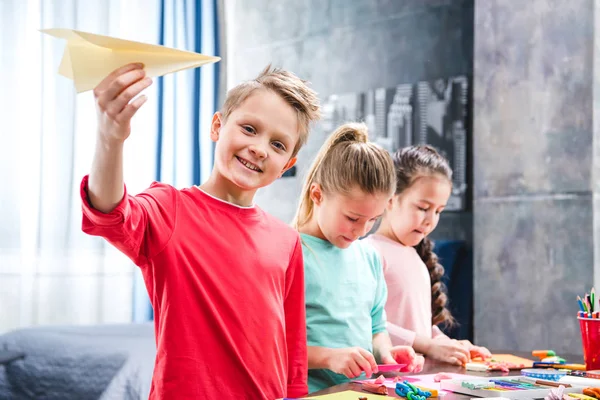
[(351, 362), (404, 355), (113, 96), (450, 351), (476, 351)]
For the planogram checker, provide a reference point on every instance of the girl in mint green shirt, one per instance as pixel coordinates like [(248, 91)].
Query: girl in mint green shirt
[(347, 188)]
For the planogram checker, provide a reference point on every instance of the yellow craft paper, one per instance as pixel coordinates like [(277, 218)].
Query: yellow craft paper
[(89, 58), (348, 395)]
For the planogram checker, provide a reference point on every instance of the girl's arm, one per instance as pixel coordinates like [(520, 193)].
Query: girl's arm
[(400, 336), (439, 347), (442, 348), (318, 357), (382, 345), (436, 333), (474, 351)]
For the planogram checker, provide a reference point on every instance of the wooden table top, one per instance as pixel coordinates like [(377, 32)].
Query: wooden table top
[(434, 367)]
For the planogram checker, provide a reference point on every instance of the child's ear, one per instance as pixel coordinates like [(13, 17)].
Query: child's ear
[(316, 195), (391, 201), (215, 127), (289, 165)]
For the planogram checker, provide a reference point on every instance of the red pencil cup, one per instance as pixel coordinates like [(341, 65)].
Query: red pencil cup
[(590, 337)]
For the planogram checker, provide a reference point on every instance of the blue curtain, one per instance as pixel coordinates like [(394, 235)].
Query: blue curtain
[(187, 101)]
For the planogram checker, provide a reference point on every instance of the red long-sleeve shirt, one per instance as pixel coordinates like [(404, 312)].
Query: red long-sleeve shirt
[(227, 287)]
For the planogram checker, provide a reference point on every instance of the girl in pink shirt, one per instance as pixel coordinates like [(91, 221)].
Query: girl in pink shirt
[(417, 300)]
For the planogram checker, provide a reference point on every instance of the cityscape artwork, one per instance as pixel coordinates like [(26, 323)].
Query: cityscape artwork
[(431, 112)]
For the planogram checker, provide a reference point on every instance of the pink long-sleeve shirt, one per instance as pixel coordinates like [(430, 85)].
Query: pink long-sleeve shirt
[(408, 306)]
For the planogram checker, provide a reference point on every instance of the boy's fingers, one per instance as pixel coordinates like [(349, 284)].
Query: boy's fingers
[(103, 85), (122, 82), (117, 105), (130, 109)]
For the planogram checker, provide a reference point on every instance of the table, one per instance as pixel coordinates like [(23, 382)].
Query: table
[(433, 367)]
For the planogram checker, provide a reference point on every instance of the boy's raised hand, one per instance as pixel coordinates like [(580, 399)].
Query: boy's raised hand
[(113, 101), (404, 355), (351, 362)]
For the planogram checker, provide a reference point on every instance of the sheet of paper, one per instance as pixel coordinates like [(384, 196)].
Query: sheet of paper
[(89, 58), (348, 395)]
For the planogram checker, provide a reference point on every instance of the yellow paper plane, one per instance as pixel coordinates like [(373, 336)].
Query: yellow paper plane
[(89, 58)]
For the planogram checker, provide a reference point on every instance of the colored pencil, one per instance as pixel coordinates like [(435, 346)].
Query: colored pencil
[(584, 304), (588, 303), (543, 382)]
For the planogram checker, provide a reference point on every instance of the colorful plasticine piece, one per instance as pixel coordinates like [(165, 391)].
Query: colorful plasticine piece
[(478, 385), (410, 391)]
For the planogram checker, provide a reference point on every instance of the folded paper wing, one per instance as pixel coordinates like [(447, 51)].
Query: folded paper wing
[(89, 58)]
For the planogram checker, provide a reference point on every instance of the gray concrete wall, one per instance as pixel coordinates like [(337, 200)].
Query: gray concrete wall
[(534, 209)]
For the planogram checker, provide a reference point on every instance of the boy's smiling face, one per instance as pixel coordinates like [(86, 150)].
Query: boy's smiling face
[(254, 146)]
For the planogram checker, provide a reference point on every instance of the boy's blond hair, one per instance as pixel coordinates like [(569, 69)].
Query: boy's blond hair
[(292, 89)]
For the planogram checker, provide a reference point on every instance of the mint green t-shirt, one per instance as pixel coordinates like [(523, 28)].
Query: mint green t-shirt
[(345, 300)]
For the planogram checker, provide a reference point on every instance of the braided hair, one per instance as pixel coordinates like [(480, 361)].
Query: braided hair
[(411, 163)]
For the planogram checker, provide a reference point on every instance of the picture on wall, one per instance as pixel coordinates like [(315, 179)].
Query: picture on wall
[(431, 112)]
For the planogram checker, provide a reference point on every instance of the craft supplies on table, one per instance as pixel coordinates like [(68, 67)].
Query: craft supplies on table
[(590, 339), (572, 367), (589, 324), (547, 374), (592, 392), (500, 362), (541, 354), (411, 392), (580, 396), (517, 387), (476, 367), (593, 374), (579, 381), (390, 367), (347, 395), (427, 382), (587, 304)]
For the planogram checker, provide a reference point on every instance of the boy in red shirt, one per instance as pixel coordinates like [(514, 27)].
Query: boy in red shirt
[(225, 279)]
